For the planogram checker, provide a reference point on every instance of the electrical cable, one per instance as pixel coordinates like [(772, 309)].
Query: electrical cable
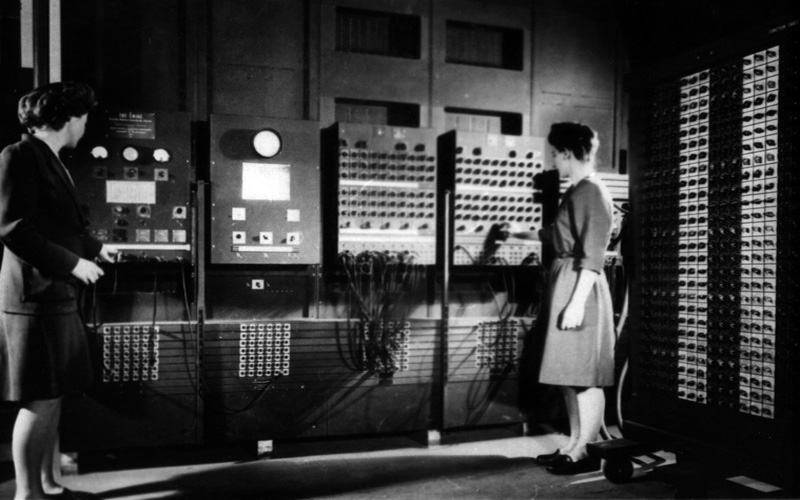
[(378, 283), (620, 385), (500, 309), (155, 296), (193, 329)]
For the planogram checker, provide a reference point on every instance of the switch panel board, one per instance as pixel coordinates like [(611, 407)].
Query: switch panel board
[(386, 190), (497, 345), (273, 378), (483, 372), (153, 354), (145, 391), (717, 312), (265, 191), (264, 349), (133, 171), (492, 178)]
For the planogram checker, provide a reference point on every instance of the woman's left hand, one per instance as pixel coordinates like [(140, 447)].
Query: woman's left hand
[(572, 316)]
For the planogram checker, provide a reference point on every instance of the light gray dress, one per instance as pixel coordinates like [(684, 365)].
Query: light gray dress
[(583, 356)]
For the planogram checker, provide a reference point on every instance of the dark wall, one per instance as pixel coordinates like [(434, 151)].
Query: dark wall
[(15, 80), (257, 54), (278, 59), (132, 52)]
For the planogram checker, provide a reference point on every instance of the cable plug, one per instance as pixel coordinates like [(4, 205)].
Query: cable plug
[(498, 233)]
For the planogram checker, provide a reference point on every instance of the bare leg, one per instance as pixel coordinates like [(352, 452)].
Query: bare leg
[(51, 465), (591, 406), (571, 401), (30, 445)]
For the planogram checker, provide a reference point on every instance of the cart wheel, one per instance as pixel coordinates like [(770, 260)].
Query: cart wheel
[(618, 470)]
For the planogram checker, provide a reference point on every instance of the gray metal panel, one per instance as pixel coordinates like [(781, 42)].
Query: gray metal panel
[(257, 91), (466, 86), (575, 56), (258, 51), (367, 76), (296, 218), (600, 119), (267, 33), (575, 67)]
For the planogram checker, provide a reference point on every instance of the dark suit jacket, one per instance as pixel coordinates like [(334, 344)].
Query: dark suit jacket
[(43, 229)]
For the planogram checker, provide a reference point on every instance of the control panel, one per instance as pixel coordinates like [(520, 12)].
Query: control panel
[(133, 171), (386, 190), (492, 178), (712, 251), (265, 191), (714, 298)]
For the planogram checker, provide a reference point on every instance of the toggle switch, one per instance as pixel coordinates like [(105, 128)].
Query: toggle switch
[(161, 155)]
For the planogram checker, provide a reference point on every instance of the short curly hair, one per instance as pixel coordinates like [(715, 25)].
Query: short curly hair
[(54, 104), (577, 138)]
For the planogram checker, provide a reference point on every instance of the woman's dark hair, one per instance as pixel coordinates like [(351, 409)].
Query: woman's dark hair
[(54, 104), (577, 138)]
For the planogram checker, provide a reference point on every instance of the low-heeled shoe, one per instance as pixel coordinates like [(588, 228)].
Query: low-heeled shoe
[(548, 458), (68, 494), (564, 465)]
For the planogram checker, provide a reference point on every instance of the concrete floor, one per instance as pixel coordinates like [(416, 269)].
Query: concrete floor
[(500, 467)]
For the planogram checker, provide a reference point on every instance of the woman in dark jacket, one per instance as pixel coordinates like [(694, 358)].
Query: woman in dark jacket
[(48, 253)]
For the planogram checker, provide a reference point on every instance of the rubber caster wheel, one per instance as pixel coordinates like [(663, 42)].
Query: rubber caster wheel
[(618, 471)]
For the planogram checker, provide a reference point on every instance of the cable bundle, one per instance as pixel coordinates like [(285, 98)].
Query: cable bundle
[(378, 284)]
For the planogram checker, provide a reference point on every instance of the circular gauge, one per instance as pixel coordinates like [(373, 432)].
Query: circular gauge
[(161, 155), (267, 143), (130, 153), (99, 153)]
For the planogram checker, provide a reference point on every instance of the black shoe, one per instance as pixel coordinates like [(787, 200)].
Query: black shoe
[(548, 458), (68, 494), (564, 466)]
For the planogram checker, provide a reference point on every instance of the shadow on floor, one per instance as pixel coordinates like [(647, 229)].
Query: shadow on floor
[(6, 471), (410, 477), (294, 480)]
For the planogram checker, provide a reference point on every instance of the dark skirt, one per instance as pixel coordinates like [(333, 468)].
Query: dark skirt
[(43, 356), (583, 356)]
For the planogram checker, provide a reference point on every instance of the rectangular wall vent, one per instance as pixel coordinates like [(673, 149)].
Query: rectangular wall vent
[(480, 45), (378, 33)]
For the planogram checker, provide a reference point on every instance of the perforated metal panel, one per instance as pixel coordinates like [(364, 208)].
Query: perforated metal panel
[(386, 198), (493, 184), (715, 311)]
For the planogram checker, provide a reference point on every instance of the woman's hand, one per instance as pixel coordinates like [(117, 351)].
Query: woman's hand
[(572, 316), (87, 271)]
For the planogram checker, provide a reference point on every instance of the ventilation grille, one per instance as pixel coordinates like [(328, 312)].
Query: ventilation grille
[(480, 45), (378, 33)]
